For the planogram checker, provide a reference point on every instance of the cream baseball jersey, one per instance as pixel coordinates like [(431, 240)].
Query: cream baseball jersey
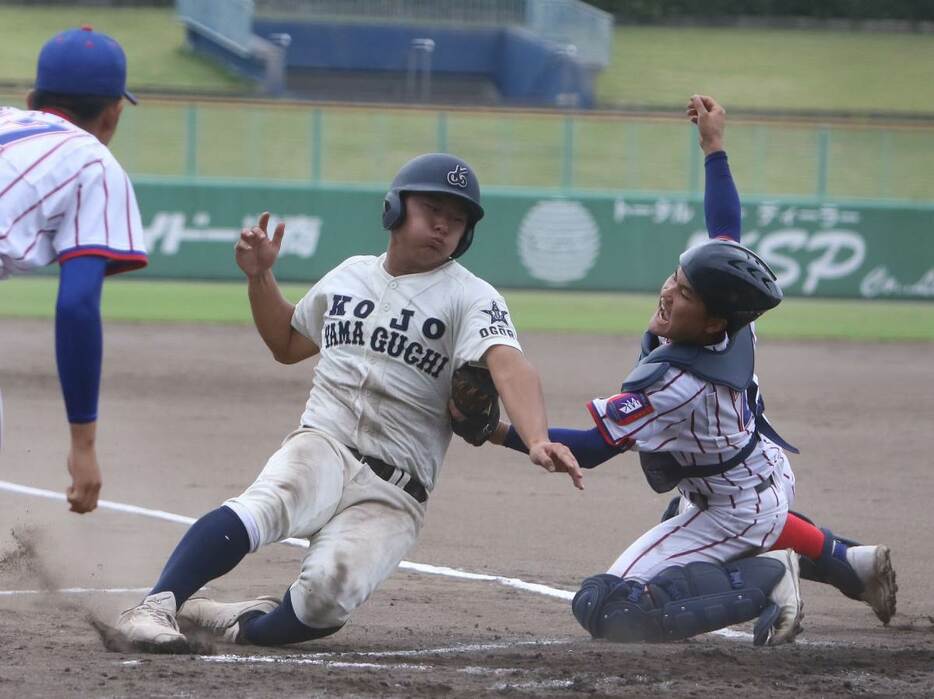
[(388, 348), (62, 195)]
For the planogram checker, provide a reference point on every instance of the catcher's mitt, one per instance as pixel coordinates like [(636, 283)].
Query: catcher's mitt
[(475, 396)]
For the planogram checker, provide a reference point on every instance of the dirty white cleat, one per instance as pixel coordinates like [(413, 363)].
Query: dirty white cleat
[(786, 596), (223, 618), (873, 566), (151, 627)]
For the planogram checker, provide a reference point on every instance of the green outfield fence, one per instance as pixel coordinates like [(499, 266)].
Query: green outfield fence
[(293, 142)]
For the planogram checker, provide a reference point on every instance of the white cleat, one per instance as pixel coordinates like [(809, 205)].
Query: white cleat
[(150, 627), (223, 618), (786, 595), (873, 565)]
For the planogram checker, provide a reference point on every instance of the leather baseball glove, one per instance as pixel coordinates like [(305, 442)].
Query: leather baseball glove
[(474, 394)]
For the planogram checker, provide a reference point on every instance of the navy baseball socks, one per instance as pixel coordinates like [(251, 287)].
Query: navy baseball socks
[(264, 621), (863, 573), (212, 547)]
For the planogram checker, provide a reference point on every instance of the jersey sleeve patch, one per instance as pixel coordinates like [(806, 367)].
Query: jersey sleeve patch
[(626, 408)]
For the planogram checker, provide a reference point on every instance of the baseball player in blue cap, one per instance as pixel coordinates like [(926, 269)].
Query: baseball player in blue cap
[(355, 477), (692, 410), (64, 198)]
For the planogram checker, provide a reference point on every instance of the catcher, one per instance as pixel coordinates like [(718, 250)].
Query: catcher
[(692, 409), (355, 477)]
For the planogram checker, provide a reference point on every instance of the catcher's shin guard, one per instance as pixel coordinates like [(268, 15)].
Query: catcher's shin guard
[(832, 567), (679, 602)]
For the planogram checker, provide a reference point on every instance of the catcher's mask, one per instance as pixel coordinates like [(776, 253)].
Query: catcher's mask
[(733, 282), (440, 173)]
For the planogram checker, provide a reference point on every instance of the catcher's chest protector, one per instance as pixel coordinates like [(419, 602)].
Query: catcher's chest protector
[(733, 367)]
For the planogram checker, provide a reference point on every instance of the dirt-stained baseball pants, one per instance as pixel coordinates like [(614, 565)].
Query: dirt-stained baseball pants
[(359, 526)]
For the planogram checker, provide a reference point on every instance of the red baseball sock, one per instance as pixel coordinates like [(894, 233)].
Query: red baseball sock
[(802, 536)]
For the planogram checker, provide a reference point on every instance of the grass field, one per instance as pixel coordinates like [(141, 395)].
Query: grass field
[(583, 312), (771, 69), (779, 70), (152, 38), (747, 68)]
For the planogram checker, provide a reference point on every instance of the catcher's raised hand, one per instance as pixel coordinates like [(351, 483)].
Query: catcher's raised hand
[(255, 251), (710, 118), (557, 458)]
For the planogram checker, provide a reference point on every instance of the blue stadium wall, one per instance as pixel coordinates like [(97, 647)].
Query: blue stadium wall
[(525, 69)]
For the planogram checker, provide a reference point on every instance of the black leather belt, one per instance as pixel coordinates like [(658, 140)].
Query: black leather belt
[(391, 474), (700, 501)]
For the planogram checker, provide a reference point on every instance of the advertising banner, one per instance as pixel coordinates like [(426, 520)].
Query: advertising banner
[(614, 242)]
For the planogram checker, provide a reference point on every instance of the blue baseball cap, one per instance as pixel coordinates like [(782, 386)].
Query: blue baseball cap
[(83, 62)]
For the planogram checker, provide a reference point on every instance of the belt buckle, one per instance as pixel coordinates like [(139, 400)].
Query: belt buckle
[(403, 480), (400, 477)]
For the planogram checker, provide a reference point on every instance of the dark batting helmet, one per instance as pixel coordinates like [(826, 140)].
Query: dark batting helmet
[(733, 282), (440, 173)]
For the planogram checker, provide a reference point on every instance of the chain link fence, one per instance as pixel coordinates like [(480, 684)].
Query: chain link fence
[(581, 151)]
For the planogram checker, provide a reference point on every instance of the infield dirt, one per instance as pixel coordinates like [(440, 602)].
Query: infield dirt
[(189, 415)]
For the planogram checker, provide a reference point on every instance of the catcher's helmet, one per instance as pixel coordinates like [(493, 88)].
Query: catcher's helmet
[(435, 172), (733, 282)]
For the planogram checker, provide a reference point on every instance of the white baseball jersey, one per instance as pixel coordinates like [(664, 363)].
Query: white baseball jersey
[(388, 348), (62, 195), (381, 386), (699, 423)]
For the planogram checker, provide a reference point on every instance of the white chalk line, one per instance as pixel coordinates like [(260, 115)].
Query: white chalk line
[(299, 543), (292, 660), (386, 667), (341, 660), (425, 568), (335, 659), (459, 648), (544, 684), (103, 504)]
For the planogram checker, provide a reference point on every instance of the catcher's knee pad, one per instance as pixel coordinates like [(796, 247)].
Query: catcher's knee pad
[(679, 602), (602, 598), (832, 566)]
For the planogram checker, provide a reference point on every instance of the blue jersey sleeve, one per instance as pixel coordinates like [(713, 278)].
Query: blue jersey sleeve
[(78, 335), (588, 446), (721, 200)]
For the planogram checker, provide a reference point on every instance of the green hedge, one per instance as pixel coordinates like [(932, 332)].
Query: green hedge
[(657, 10)]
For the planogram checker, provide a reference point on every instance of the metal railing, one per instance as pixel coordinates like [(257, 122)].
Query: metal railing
[(337, 144), (577, 24), (228, 22), (475, 12)]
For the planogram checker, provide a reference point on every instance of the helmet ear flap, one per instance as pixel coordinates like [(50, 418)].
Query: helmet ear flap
[(464, 243), (393, 209)]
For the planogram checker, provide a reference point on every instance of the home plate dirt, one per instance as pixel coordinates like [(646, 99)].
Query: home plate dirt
[(189, 415)]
